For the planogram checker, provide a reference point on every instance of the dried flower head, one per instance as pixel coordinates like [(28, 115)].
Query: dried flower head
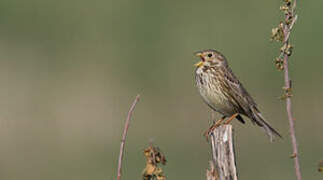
[(153, 157)]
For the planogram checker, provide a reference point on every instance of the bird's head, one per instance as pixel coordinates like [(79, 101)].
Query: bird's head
[(210, 58)]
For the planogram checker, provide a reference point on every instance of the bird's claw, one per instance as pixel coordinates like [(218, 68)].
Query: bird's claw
[(211, 129)]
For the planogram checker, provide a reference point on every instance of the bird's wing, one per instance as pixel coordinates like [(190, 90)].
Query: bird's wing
[(238, 95), (244, 103)]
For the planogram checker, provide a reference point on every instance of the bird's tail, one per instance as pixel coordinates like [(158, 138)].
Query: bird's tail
[(260, 121)]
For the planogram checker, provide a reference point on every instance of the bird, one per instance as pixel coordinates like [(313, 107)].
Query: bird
[(223, 92)]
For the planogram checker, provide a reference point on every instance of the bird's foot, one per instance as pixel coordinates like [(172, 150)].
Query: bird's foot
[(214, 125), (231, 118)]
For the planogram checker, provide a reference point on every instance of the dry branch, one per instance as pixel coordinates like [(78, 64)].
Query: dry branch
[(124, 135), (282, 34), (223, 154)]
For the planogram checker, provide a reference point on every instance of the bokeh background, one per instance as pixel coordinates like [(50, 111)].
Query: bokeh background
[(69, 71)]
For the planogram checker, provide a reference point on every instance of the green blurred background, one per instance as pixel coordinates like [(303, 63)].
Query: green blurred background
[(69, 71)]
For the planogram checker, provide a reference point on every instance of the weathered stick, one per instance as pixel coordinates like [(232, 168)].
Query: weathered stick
[(211, 174), (223, 153), (124, 135)]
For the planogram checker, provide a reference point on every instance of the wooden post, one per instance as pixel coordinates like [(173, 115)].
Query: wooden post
[(224, 165)]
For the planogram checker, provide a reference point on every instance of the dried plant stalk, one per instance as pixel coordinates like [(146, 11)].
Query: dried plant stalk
[(124, 135), (281, 34)]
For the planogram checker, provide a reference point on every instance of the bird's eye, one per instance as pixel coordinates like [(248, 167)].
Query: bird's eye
[(209, 55)]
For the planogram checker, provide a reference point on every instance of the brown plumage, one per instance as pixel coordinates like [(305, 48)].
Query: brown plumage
[(223, 92)]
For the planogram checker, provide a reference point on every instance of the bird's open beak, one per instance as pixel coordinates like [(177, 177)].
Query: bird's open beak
[(199, 64)]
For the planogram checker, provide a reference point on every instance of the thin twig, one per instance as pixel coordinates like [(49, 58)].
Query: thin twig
[(287, 29), (291, 121), (124, 135)]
